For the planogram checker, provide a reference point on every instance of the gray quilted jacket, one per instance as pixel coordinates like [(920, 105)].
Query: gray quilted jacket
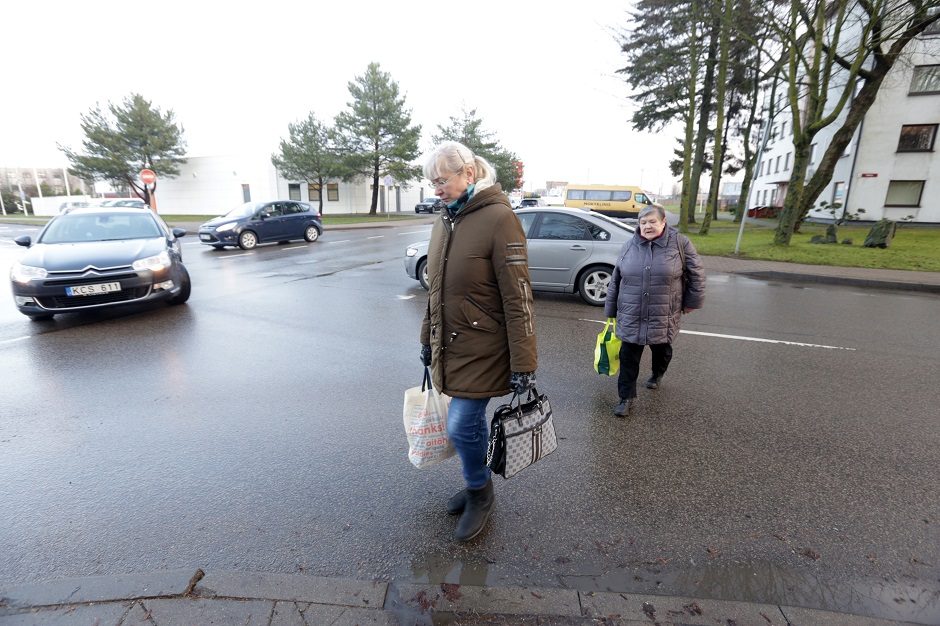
[(646, 292)]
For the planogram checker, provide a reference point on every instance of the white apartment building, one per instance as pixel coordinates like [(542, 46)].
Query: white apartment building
[(891, 168)]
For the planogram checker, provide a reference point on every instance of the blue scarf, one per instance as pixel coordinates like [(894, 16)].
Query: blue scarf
[(455, 207)]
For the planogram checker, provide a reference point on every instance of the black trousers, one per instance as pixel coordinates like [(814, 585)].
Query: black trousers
[(630, 355)]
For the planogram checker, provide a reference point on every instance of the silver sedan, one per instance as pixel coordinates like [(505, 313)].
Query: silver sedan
[(570, 250)]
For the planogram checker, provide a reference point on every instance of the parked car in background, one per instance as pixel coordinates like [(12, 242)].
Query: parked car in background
[(96, 257), (529, 202), (570, 250), (429, 205), (253, 223), (136, 203)]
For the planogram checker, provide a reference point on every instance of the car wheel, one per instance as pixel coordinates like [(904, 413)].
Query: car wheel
[(185, 288), (423, 272), (593, 283), (311, 233), (42, 317), (247, 240)]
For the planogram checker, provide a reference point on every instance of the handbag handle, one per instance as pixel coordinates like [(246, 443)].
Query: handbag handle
[(426, 382)]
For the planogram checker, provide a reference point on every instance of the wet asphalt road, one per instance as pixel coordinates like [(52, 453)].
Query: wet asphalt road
[(258, 428)]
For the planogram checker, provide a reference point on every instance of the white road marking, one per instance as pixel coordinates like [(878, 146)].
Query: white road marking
[(414, 232), (294, 248), (306, 262), (376, 237), (340, 241), (232, 256), (405, 297), (758, 339), (14, 340)]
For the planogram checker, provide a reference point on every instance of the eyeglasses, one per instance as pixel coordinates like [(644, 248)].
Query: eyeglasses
[(437, 184)]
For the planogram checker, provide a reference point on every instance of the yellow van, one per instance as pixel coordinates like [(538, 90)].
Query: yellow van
[(612, 200)]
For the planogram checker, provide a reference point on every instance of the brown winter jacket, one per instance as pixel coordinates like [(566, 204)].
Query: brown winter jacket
[(479, 321)]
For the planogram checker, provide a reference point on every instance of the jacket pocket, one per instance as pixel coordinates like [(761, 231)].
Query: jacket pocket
[(477, 318)]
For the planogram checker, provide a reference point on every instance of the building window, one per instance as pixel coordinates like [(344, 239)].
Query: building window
[(786, 162), (773, 197), (783, 129), (313, 192), (246, 193), (904, 193), (812, 154), (926, 80), (293, 191), (917, 137), (934, 28), (332, 192), (777, 166), (838, 193)]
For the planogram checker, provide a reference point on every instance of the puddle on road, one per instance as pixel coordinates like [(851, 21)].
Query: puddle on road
[(916, 601)]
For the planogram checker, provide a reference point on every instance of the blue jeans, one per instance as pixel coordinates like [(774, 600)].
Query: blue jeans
[(467, 429)]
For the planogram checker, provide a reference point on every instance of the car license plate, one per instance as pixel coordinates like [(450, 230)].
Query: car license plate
[(205, 237), (92, 290)]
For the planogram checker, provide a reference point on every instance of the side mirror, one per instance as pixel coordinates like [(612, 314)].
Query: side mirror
[(179, 232), (24, 240)]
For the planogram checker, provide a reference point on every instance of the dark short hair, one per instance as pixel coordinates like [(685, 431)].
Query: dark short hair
[(650, 208)]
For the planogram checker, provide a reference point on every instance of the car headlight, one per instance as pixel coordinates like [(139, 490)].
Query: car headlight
[(411, 251), (24, 273), (153, 263), (225, 227)]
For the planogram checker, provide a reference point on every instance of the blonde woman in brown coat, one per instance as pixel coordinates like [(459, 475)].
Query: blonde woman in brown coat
[(478, 335)]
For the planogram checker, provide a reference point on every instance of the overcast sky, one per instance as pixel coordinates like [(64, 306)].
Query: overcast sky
[(541, 75)]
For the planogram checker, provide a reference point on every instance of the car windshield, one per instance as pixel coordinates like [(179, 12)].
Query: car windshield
[(75, 227), (244, 210)]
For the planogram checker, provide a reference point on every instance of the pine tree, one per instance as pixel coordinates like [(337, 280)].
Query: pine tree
[(133, 137), (309, 154), (375, 137)]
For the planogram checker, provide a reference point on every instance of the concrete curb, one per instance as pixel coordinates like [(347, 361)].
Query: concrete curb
[(872, 283), (221, 597)]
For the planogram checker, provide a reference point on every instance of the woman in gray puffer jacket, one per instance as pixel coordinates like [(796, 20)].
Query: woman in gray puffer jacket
[(658, 277)]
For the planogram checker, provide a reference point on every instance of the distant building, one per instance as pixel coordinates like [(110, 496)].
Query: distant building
[(57, 179), (890, 168), (212, 185)]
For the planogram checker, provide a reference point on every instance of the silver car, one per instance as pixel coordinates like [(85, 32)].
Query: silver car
[(570, 250)]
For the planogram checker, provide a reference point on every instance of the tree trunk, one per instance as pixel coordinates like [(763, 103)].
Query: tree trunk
[(791, 203), (321, 186), (718, 154), (748, 156), (704, 114), (841, 139), (689, 125), (375, 191)]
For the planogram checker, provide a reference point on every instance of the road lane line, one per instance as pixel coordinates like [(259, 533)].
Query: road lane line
[(414, 232), (14, 340), (232, 256), (340, 241), (758, 339), (294, 248), (376, 237)]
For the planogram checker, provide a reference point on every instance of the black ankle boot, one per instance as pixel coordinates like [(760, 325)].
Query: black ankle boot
[(480, 504), (457, 502)]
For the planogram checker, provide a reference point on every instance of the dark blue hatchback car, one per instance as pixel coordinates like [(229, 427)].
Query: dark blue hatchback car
[(252, 223)]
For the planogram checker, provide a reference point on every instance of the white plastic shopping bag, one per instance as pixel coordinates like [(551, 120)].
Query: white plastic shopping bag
[(425, 417)]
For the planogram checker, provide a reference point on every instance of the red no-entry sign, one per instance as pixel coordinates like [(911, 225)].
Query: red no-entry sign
[(148, 177)]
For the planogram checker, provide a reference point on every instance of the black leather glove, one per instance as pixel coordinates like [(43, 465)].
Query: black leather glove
[(425, 355), (521, 382)]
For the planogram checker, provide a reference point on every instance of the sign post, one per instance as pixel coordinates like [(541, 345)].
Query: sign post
[(149, 177)]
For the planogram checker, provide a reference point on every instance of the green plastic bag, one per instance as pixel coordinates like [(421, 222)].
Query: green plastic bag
[(607, 350)]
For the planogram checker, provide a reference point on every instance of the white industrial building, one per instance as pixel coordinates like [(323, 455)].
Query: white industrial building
[(212, 185), (891, 168)]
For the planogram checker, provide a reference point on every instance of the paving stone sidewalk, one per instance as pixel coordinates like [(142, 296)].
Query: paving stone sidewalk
[(225, 597)]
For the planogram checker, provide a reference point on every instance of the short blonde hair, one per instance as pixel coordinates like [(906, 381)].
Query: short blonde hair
[(450, 157)]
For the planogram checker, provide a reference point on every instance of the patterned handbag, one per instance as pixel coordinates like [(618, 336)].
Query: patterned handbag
[(520, 434)]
